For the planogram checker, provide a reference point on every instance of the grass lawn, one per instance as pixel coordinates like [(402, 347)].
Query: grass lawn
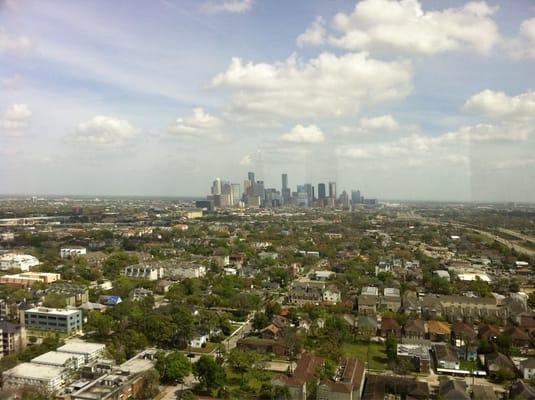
[(234, 327), (377, 356), (253, 382), (207, 349), (468, 365)]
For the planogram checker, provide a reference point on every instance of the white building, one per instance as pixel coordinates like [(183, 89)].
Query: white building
[(17, 261), (90, 351), (331, 294), (324, 275), (61, 359), (141, 271), (32, 374), (72, 251)]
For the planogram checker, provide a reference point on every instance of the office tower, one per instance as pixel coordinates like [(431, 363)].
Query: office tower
[(236, 193), (321, 191), (284, 181), (247, 188), (250, 176), (355, 197), (309, 189), (332, 190), (258, 189), (226, 194), (216, 186), (344, 200)]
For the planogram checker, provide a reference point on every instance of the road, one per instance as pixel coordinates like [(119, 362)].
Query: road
[(232, 341), (518, 235)]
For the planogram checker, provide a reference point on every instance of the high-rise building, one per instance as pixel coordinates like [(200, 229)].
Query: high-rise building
[(284, 181), (355, 197), (309, 189), (216, 186), (321, 191), (236, 193), (332, 190), (251, 177), (258, 189)]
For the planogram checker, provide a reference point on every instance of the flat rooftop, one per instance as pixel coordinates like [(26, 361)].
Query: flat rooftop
[(54, 357), (35, 371), (81, 347), (54, 311)]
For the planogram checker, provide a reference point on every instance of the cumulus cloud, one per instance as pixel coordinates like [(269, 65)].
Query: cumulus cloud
[(16, 120), (227, 6), (315, 35), (104, 132), (403, 26), (498, 105), (524, 45), (200, 124), (326, 86), (384, 122), (14, 44), (304, 134)]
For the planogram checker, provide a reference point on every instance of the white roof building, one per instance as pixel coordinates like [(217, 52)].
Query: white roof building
[(17, 261), (60, 359), (91, 351), (72, 251), (32, 374)]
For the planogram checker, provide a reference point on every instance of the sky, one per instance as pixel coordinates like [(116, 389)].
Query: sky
[(407, 100)]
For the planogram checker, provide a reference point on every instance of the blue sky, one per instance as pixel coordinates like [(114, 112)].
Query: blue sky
[(401, 99)]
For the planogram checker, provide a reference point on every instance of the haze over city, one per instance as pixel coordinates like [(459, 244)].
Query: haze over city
[(416, 100)]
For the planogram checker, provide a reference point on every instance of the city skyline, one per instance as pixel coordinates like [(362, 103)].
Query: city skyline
[(439, 107)]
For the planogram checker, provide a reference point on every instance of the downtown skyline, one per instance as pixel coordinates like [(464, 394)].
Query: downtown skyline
[(138, 98)]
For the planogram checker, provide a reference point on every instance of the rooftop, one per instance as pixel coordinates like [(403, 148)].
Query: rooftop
[(35, 371), (81, 347)]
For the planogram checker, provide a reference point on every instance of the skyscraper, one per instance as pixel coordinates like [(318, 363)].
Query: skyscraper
[(284, 181), (251, 177), (216, 186), (321, 191), (355, 197), (286, 194), (236, 193), (332, 190)]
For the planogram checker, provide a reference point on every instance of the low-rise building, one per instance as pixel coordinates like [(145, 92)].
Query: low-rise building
[(416, 354), (24, 262), (60, 359), (27, 279), (72, 251), (90, 351), (143, 271), (74, 294), (53, 319), (49, 377), (13, 338)]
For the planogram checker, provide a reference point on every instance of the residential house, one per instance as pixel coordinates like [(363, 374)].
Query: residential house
[(390, 327), (519, 337), (445, 356), (438, 331), (415, 329), (488, 332), (416, 354), (495, 362), (385, 386), (306, 370), (271, 331), (522, 390), (453, 390), (527, 368), (483, 392), (390, 300), (367, 325), (347, 385)]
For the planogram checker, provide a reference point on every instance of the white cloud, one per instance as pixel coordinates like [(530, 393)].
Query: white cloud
[(403, 26), (104, 132), (315, 35), (385, 122), (498, 105), (246, 160), (326, 86), (524, 45), (199, 125), (304, 134), (229, 6), (15, 120), (14, 44)]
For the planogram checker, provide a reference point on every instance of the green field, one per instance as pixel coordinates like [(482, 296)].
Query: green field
[(376, 356)]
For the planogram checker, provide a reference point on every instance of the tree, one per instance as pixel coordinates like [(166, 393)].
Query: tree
[(55, 300), (241, 361), (101, 323), (391, 347), (210, 374), (260, 321), (150, 385), (173, 367)]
